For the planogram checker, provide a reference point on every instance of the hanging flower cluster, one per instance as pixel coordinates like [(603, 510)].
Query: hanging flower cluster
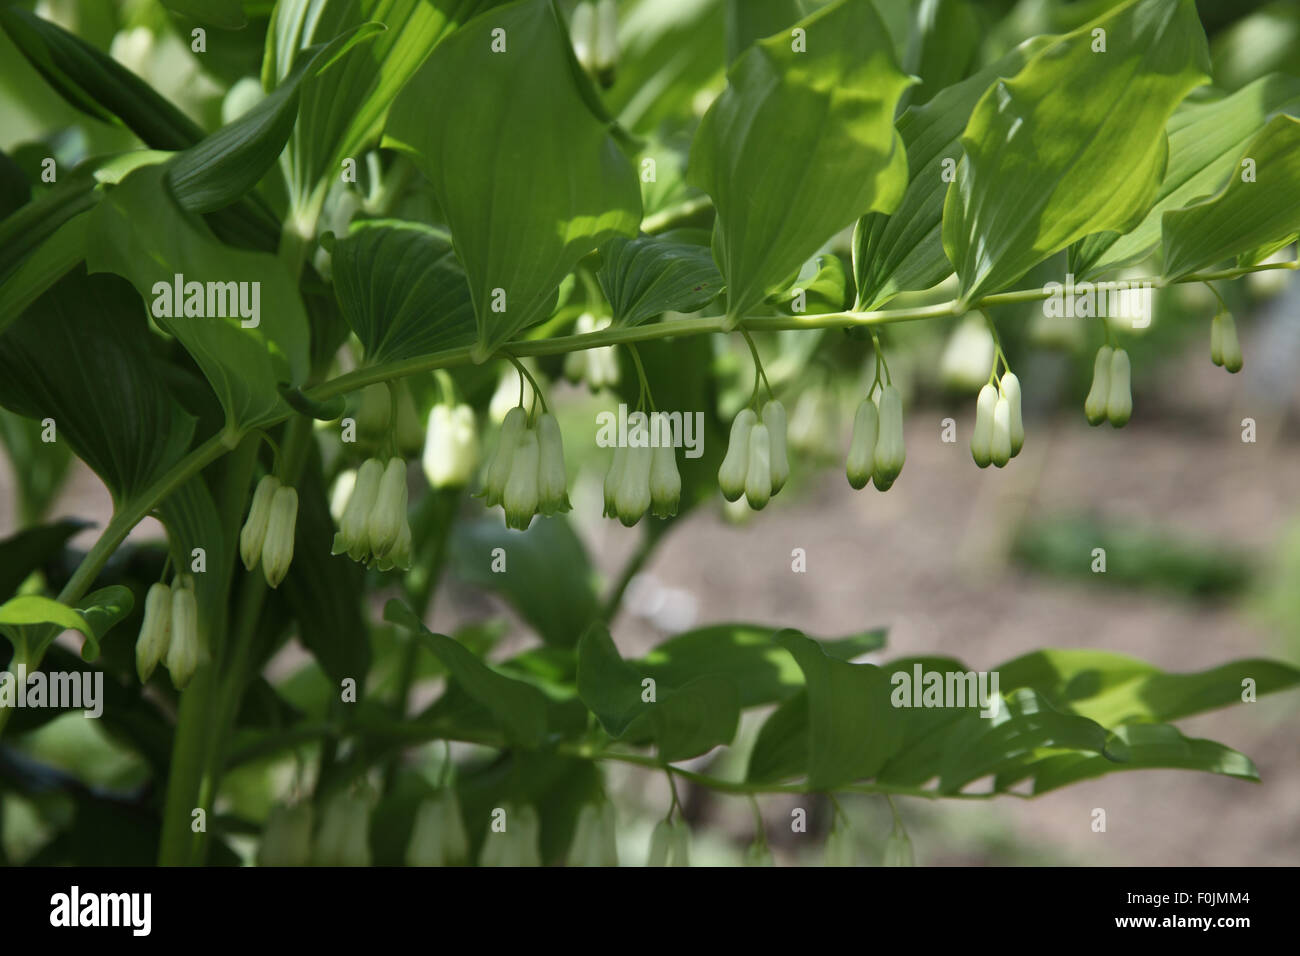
[(169, 631), (756, 464), (438, 837), (876, 450), (1110, 398), (598, 367), (999, 427), (374, 527), (526, 475), (1225, 350), (594, 838), (267, 535), (643, 475), (451, 446)]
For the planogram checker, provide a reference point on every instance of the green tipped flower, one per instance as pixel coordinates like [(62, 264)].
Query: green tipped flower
[(614, 478), (862, 446), (1010, 387), (632, 497), (898, 849), (286, 839), (670, 844), (1094, 406), (438, 837), (735, 466), (552, 482), (1119, 397), (665, 482), (774, 419), (890, 451), (521, 494), (1225, 349), (593, 837), (758, 477), (517, 844), (344, 835), (183, 647), (451, 447), (981, 439), (155, 630), (384, 523), (498, 472), (1000, 448), (353, 536), (253, 533), (277, 549)]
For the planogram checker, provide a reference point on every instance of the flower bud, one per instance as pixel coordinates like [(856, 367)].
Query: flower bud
[(814, 424), (841, 850), (155, 630), (968, 357), (400, 555), (438, 837), (451, 448), (759, 854), (183, 647), (498, 472), (1000, 447), (521, 494), (517, 844), (344, 837), (1094, 406), (898, 849), (670, 845), (1119, 398), (552, 483), (605, 54), (1216, 340), (1010, 386), (286, 839), (1229, 346), (862, 446), (582, 28), (340, 495), (353, 536), (735, 465), (614, 478), (632, 497), (665, 482), (585, 848), (384, 524), (774, 419), (890, 451), (253, 533), (277, 549), (981, 439), (758, 477), (680, 851)]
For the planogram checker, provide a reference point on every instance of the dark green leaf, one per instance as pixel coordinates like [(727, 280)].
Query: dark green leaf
[(645, 277), (24, 552), (693, 719), (226, 14), (608, 685)]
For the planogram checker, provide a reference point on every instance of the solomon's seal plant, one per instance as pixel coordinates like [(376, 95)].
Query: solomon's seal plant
[(378, 232)]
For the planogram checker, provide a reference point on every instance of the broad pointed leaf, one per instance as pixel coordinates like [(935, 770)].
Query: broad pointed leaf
[(645, 277)]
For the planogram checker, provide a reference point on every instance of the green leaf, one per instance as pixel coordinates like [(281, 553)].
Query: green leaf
[(518, 707), (190, 515), (548, 578), (342, 111), (96, 378), (226, 14), (608, 685), (224, 166), (781, 750), (1242, 215), (140, 232), (646, 277), (745, 654), (823, 290), (32, 622), (545, 183), (852, 727), (943, 43), (29, 549), (1206, 141), (798, 146), (693, 719), (51, 261), (39, 467), (903, 252), (1072, 145), (401, 290)]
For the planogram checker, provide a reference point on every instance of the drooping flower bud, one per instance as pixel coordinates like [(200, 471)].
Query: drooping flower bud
[(969, 354), (598, 366), (253, 533), (438, 837), (774, 419), (400, 556), (670, 844), (632, 497), (614, 478), (1000, 447), (862, 446), (1223, 330), (521, 494), (552, 482), (155, 630), (344, 836), (498, 471), (841, 848), (516, 845), (665, 482), (384, 524), (340, 495), (1119, 398), (758, 477), (1094, 406), (898, 849), (584, 850), (1010, 386), (286, 839), (759, 854), (277, 549), (890, 450), (981, 439), (680, 853), (451, 447), (814, 424), (183, 646), (605, 55), (353, 536), (582, 28), (735, 465)]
